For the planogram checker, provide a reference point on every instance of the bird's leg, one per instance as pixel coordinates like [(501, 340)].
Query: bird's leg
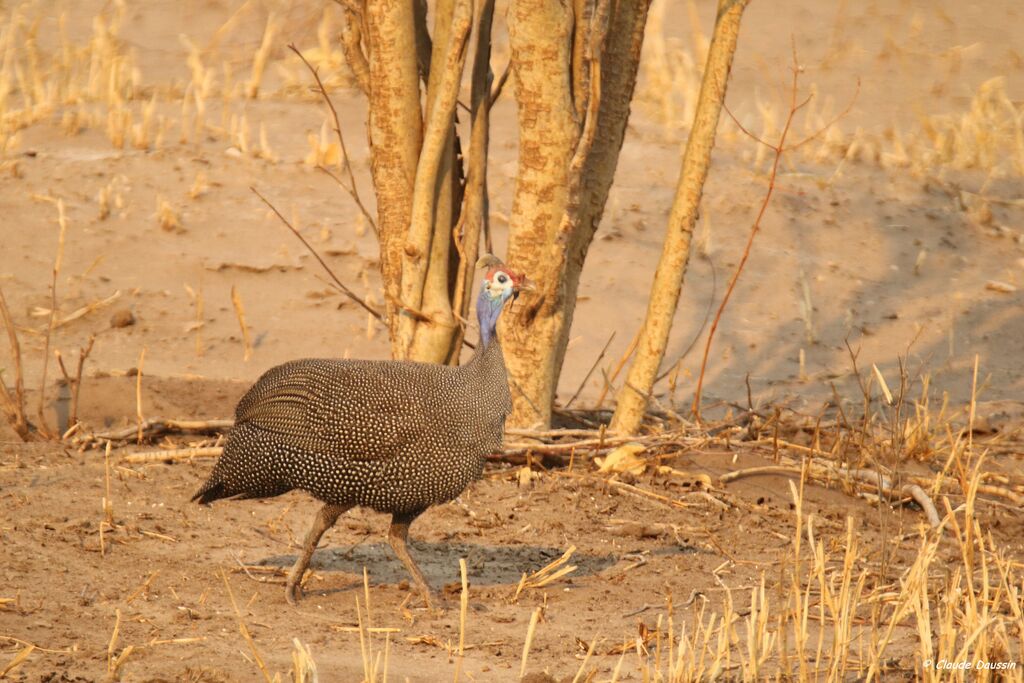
[(398, 534), (325, 519)]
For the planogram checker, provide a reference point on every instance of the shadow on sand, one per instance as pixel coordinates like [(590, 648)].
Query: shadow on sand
[(486, 565)]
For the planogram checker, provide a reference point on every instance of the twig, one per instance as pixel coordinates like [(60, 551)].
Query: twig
[(590, 371), (158, 425), (76, 384), (341, 285), (778, 148), (700, 330), (618, 367), (500, 85), (346, 164)]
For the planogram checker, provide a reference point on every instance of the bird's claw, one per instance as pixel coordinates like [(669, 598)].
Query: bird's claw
[(292, 593)]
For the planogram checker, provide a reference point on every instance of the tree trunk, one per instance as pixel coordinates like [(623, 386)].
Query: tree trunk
[(668, 278), (396, 133), (573, 111), (473, 213), (541, 40), (428, 330)]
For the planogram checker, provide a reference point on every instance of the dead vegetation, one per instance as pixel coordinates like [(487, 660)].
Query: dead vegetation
[(828, 609)]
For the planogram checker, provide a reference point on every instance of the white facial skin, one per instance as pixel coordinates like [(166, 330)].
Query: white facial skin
[(500, 284)]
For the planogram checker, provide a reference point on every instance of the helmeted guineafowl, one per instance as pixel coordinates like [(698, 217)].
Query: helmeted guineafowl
[(395, 436)]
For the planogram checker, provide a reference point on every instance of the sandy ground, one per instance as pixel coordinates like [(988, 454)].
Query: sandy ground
[(897, 259)]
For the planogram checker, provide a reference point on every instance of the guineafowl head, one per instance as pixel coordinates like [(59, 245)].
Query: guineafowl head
[(500, 285)]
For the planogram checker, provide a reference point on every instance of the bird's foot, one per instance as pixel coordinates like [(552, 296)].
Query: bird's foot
[(418, 599), (293, 592)]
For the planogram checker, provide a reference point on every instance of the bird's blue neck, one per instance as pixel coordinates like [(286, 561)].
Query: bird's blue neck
[(488, 309)]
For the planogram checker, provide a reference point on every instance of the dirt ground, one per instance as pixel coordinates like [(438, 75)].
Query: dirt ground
[(888, 244), (162, 569)]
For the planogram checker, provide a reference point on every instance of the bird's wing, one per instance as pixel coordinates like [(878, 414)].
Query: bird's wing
[(349, 409)]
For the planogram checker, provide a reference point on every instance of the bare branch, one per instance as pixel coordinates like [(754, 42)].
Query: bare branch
[(341, 285), (346, 164), (779, 148), (834, 121), (352, 45), (500, 85)]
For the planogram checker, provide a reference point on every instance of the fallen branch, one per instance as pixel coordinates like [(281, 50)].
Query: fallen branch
[(822, 473), (174, 455)]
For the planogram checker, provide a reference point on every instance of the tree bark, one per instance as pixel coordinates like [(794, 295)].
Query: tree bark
[(473, 214), (540, 37), (668, 278), (426, 325), (396, 133), (565, 172)]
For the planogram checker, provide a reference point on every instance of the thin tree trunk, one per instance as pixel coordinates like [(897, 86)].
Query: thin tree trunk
[(426, 325), (474, 202), (668, 279), (619, 66), (396, 134)]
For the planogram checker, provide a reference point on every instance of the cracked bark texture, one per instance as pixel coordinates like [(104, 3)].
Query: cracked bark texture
[(547, 71)]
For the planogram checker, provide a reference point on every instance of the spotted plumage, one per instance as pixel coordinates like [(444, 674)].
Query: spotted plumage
[(394, 436)]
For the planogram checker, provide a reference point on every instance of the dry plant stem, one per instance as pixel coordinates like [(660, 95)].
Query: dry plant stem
[(63, 223), (418, 256), (351, 188), (593, 367), (530, 631), (244, 630), (18, 660), (83, 353), (175, 455), (668, 279), (236, 300), (463, 608), (14, 406), (778, 149), (138, 396), (341, 285)]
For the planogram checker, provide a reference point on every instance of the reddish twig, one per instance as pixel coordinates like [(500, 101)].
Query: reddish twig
[(779, 148)]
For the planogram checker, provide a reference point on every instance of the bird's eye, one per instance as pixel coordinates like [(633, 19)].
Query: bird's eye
[(502, 278)]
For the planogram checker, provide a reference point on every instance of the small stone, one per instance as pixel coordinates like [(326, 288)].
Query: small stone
[(122, 318)]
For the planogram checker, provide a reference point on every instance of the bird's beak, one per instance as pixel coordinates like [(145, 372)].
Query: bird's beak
[(525, 284)]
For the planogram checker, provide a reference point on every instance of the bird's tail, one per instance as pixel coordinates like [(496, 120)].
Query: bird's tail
[(212, 490)]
